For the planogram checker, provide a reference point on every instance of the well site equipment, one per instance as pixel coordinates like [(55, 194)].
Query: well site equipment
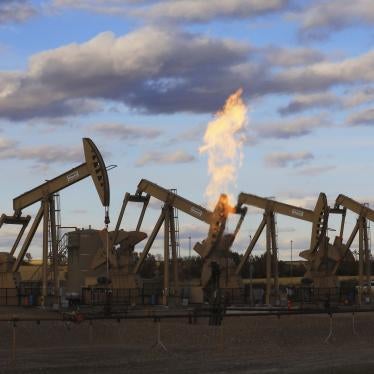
[(107, 259), (214, 249), (93, 166)]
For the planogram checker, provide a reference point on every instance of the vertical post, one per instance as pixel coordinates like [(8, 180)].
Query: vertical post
[(90, 332), (291, 260), (13, 358), (174, 251), (166, 255), (268, 258), (360, 259), (54, 249), (354, 324), (45, 251), (250, 282), (159, 343), (367, 258), (329, 336), (274, 256), (107, 257)]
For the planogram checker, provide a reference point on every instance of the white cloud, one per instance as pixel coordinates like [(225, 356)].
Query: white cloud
[(203, 11), (323, 75), (322, 17), (177, 157), (291, 56), (42, 155), (364, 117), (292, 128), (178, 11), (315, 170), (15, 11), (285, 159), (348, 99), (361, 96), (6, 144), (151, 69), (123, 131), (304, 102), (165, 70)]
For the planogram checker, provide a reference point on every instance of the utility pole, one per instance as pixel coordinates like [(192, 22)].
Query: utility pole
[(291, 267), (189, 246), (251, 281)]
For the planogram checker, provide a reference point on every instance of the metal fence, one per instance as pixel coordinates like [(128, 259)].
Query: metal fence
[(337, 295), (120, 296), (9, 296), (31, 296), (25, 295), (302, 295)]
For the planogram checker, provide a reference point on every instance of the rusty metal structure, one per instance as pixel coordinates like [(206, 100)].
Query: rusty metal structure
[(107, 259), (92, 264), (214, 249), (93, 166), (318, 217), (365, 214)]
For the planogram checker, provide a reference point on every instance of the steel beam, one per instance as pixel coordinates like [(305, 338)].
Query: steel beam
[(28, 239)]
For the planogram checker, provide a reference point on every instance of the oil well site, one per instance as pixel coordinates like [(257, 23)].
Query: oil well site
[(186, 186), (89, 293)]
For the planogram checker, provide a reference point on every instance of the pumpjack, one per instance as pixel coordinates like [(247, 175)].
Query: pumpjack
[(214, 249), (93, 166), (365, 214), (318, 256)]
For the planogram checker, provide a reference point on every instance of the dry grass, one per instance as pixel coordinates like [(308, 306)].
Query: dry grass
[(291, 344)]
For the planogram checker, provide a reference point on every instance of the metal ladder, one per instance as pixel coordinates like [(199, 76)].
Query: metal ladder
[(57, 213), (276, 236), (61, 241), (176, 226), (368, 230)]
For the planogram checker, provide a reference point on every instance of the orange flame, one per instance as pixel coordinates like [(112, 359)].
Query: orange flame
[(223, 142)]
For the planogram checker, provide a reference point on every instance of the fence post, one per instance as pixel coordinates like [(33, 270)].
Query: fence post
[(13, 345), (331, 330), (90, 333), (159, 343), (354, 324)]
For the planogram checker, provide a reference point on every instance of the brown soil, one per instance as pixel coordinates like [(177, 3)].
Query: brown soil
[(290, 344)]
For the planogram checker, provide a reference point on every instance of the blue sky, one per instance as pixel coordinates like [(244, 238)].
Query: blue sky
[(143, 79)]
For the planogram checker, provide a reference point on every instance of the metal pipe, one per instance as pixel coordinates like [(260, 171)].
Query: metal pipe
[(166, 254), (174, 251), (150, 241), (54, 249), (28, 239), (251, 246), (360, 259), (45, 204), (274, 255), (367, 257), (268, 258)]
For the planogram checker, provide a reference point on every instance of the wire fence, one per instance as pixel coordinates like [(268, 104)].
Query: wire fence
[(247, 296)]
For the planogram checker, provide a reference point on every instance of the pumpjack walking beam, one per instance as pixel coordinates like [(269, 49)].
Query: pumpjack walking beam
[(94, 167), (364, 213)]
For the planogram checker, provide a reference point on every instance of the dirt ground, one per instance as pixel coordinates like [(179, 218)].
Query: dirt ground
[(268, 344)]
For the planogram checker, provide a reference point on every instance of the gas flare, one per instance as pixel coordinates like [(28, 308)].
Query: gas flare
[(223, 142)]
